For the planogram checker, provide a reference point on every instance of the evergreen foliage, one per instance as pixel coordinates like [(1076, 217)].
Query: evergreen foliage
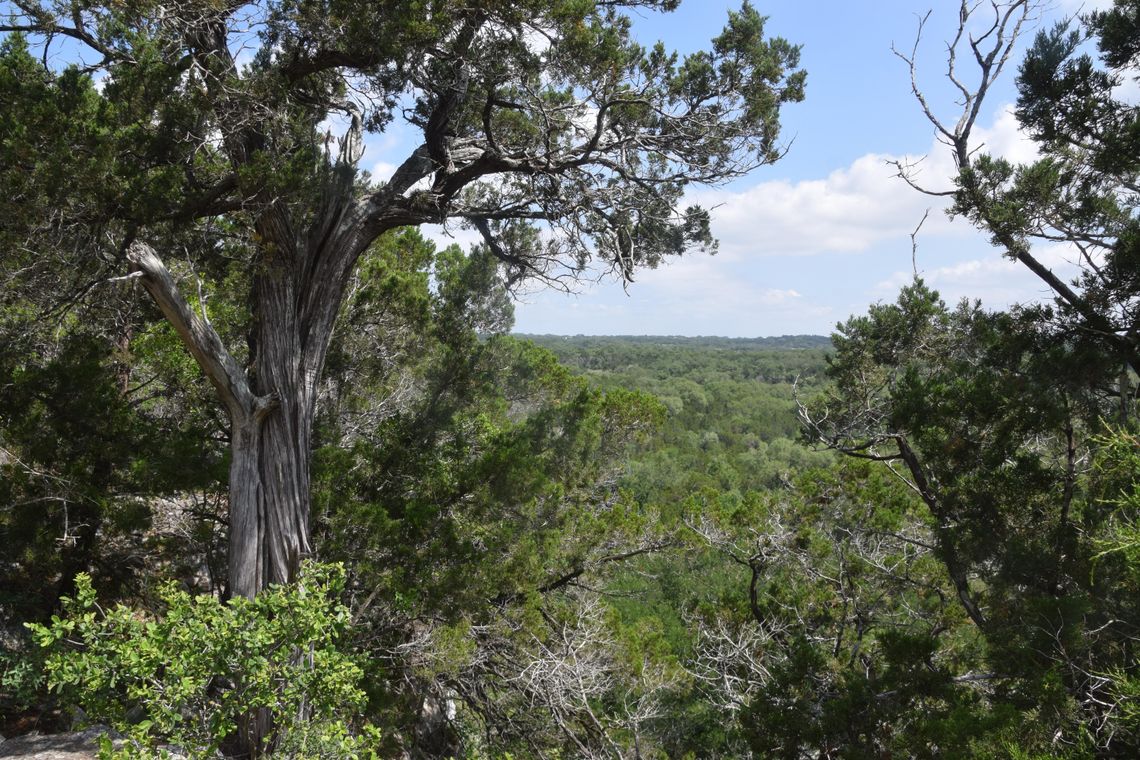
[(916, 538)]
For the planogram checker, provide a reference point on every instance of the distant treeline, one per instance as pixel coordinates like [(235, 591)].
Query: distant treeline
[(634, 359), (700, 341)]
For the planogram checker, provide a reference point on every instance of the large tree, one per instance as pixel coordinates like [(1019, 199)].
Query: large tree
[(1008, 425), (203, 133)]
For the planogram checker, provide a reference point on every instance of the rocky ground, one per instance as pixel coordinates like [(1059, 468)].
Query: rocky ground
[(72, 746)]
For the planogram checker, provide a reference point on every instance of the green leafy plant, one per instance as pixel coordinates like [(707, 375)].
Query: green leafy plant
[(1117, 563), (195, 675), (21, 678)]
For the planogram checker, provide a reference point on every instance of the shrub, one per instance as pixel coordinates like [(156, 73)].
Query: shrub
[(195, 675)]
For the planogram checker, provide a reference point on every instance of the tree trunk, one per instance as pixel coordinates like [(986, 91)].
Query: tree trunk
[(270, 415), (269, 499), (270, 461), (297, 292), (269, 471), (269, 522)]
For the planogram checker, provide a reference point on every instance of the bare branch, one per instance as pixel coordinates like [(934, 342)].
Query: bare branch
[(197, 335)]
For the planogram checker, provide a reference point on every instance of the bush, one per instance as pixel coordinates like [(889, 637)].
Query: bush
[(21, 677), (193, 675)]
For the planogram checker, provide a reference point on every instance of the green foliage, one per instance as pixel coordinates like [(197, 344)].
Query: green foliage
[(997, 416), (838, 634), (89, 438), (21, 679), (498, 453), (725, 451), (467, 479), (988, 415), (191, 675), (1080, 189), (731, 422), (1117, 562), (963, 585), (104, 465)]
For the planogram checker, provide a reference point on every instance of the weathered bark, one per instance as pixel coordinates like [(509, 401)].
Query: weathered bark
[(270, 424), (269, 471), (269, 500), (297, 291)]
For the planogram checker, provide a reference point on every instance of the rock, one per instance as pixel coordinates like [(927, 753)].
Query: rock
[(77, 745), (81, 745)]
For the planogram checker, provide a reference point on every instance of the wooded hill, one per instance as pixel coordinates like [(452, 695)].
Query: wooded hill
[(700, 341)]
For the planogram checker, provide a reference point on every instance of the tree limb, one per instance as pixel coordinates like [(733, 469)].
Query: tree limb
[(199, 337)]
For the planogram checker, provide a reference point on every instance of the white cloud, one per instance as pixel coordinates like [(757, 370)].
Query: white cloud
[(697, 295), (335, 125), (1128, 91), (382, 171), (849, 210), (1004, 138), (244, 56), (996, 280), (849, 230), (772, 296), (1072, 7), (536, 40), (854, 208)]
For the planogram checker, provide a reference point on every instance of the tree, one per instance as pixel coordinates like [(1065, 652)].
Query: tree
[(993, 419), (1081, 192), (544, 126), (843, 638), (1079, 196), (468, 481)]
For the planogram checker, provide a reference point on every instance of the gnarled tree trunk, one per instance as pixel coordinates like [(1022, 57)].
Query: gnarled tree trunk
[(297, 292), (270, 422), (269, 470), (269, 498)]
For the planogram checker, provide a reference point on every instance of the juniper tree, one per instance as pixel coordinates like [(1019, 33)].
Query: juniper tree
[(199, 133)]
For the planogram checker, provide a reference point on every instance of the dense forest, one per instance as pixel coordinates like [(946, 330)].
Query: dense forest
[(277, 480)]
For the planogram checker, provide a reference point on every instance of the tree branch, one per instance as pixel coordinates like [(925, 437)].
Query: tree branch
[(199, 337), (581, 570)]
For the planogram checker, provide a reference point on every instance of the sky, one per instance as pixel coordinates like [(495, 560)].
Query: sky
[(826, 231)]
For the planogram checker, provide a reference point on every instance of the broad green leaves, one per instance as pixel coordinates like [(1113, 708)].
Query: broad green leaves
[(192, 674)]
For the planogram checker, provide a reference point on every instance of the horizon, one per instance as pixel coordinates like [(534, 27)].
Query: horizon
[(660, 335)]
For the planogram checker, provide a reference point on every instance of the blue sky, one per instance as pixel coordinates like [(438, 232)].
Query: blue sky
[(826, 231)]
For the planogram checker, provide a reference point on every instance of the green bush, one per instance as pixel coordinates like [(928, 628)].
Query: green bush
[(191, 676), (21, 677)]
